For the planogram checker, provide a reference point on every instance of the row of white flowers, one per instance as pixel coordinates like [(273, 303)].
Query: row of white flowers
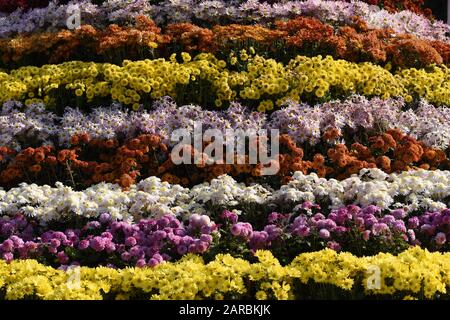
[(150, 198), (54, 16)]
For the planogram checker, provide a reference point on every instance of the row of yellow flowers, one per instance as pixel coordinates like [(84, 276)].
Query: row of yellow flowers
[(413, 273), (265, 82)]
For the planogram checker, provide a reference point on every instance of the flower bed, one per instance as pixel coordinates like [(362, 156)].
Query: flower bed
[(416, 6), (204, 79), (134, 150), (148, 242), (415, 190), (117, 11), (34, 126), (412, 274), (287, 39), (89, 161)]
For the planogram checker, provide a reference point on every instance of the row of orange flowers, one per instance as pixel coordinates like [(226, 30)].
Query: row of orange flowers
[(88, 161), (302, 35)]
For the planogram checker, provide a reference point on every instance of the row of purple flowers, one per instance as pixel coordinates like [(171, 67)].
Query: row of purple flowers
[(149, 242)]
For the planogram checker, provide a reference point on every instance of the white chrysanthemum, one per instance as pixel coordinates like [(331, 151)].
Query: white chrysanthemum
[(151, 197)]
